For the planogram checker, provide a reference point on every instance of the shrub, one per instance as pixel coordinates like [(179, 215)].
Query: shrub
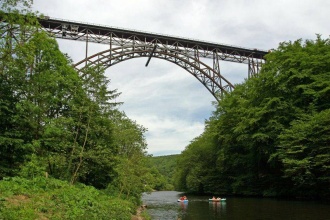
[(54, 199)]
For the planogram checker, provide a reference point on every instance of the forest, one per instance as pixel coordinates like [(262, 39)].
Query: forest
[(271, 135), (165, 166)]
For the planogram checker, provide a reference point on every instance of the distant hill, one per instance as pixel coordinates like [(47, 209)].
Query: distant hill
[(166, 166)]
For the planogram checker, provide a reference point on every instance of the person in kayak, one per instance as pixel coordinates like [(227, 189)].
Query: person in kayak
[(183, 198)]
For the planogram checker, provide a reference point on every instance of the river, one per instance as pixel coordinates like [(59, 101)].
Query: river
[(163, 205)]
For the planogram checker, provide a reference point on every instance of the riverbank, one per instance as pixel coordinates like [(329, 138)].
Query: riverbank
[(141, 214), (48, 198)]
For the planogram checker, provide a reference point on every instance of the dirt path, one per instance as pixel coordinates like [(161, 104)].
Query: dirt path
[(138, 213)]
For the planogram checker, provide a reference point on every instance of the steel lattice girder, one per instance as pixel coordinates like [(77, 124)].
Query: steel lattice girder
[(126, 44), (106, 35), (211, 79)]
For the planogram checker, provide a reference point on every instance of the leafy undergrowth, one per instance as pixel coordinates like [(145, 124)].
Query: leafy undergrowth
[(47, 198)]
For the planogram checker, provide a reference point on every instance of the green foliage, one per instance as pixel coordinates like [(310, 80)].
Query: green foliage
[(271, 134), (13, 67), (33, 168), (305, 153), (164, 171), (131, 175), (59, 123), (54, 199), (197, 164), (145, 215), (23, 6)]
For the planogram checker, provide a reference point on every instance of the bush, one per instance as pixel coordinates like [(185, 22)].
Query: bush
[(54, 199)]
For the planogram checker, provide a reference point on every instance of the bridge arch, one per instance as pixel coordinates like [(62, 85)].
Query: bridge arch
[(208, 76)]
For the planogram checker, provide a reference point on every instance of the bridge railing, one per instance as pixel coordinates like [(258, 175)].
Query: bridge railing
[(66, 21)]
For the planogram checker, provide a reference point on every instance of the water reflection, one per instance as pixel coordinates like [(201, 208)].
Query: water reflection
[(216, 209), (183, 205), (164, 206), (183, 210), (215, 206)]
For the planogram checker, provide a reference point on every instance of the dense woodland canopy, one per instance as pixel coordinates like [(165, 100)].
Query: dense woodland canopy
[(271, 135), (165, 166)]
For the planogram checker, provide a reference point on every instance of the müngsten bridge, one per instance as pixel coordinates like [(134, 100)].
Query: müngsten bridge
[(125, 44)]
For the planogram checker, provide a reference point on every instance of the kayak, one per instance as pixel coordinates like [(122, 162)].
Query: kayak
[(179, 200), (217, 200)]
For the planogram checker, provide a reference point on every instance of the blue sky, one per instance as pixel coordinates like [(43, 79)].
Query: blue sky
[(167, 100)]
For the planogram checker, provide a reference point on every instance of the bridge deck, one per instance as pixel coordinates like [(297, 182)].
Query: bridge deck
[(57, 24)]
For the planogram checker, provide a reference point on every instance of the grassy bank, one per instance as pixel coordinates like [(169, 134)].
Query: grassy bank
[(47, 198)]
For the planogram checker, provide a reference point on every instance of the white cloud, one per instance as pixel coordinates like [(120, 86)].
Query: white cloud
[(163, 97), (177, 132)]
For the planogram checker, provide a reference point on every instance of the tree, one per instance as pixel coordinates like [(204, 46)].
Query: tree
[(14, 64), (133, 176), (305, 153), (253, 128), (197, 164)]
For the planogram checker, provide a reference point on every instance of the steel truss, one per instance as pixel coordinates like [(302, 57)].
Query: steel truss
[(208, 76), (127, 44)]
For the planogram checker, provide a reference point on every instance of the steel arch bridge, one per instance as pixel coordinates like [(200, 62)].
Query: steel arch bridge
[(125, 44)]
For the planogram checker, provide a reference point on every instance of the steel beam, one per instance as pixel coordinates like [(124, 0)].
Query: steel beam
[(152, 52)]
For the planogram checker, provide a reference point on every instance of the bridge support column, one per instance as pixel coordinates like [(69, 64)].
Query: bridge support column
[(254, 68), (86, 52), (216, 68)]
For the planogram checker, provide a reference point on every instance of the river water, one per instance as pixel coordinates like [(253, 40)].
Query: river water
[(163, 205)]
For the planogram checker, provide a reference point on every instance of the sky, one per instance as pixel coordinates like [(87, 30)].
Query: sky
[(164, 98)]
